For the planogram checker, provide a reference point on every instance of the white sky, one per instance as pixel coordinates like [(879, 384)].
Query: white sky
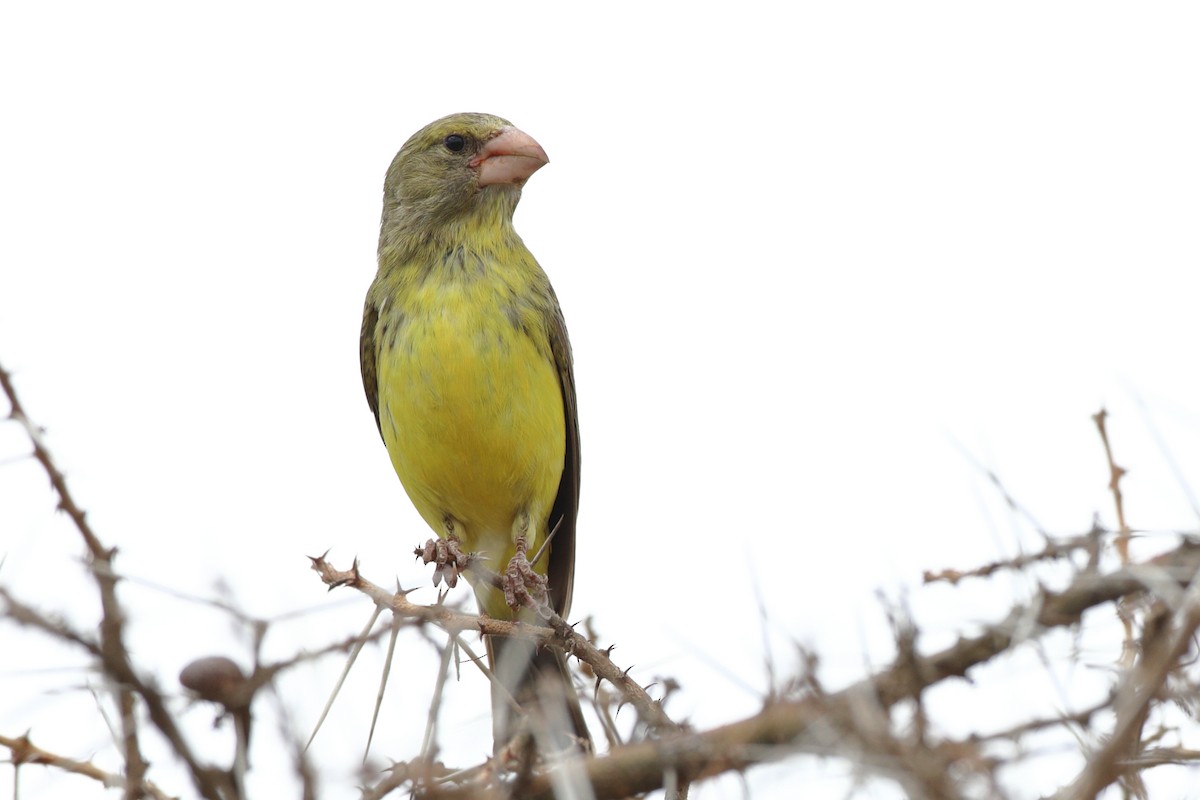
[(808, 255)]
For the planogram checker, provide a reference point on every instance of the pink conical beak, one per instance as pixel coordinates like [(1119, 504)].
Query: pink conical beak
[(510, 156)]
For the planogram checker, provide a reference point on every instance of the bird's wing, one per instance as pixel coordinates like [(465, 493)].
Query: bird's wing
[(368, 359), (560, 572)]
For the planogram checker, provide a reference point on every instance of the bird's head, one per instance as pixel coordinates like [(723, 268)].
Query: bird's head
[(456, 166)]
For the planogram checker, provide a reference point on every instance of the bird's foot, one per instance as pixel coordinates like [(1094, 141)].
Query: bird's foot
[(523, 587), (448, 555)]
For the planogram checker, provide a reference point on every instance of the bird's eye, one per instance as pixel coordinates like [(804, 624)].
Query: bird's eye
[(454, 143)]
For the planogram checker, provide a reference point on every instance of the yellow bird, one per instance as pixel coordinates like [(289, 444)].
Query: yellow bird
[(467, 367)]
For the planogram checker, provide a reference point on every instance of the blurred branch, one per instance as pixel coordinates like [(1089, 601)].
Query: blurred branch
[(23, 751), (1168, 637), (1090, 543)]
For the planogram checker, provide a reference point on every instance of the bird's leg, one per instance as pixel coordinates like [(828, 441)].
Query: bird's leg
[(522, 585), (447, 554)]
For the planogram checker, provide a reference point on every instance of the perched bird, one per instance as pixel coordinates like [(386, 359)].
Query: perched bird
[(467, 367)]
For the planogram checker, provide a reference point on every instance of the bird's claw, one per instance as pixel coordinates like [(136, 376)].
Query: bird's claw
[(522, 585), (451, 561)]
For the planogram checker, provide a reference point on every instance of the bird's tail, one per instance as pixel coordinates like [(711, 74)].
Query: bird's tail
[(538, 682)]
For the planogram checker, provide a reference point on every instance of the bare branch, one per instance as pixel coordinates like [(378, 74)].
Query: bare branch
[(23, 751), (560, 634)]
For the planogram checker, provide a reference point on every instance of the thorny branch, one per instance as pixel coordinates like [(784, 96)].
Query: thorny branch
[(859, 723), (114, 656), (23, 751), (820, 723), (1114, 484), (560, 634)]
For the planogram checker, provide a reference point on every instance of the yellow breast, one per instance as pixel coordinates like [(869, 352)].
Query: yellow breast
[(471, 411)]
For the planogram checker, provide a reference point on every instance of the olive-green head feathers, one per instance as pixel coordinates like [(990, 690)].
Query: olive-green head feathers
[(457, 166)]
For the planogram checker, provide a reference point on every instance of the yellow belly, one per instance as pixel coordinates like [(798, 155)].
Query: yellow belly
[(472, 415)]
